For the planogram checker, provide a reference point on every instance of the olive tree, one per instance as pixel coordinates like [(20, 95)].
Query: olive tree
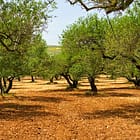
[(123, 44), (20, 22), (10, 67), (82, 42)]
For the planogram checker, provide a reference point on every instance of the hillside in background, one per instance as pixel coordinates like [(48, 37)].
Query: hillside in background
[(54, 49)]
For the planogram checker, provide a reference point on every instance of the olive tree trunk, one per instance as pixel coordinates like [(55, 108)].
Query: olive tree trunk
[(92, 84), (6, 84), (135, 81), (72, 83)]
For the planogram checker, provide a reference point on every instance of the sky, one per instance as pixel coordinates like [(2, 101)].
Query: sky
[(66, 14)]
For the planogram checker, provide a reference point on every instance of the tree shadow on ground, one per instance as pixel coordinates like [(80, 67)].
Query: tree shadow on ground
[(129, 112), (120, 88), (57, 91), (49, 83), (41, 99), (14, 111), (120, 92), (109, 92), (116, 95), (105, 95), (17, 88)]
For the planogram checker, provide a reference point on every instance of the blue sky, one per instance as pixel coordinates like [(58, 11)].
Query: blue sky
[(66, 14)]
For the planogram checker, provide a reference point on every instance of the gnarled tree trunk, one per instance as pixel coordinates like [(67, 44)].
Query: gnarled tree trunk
[(72, 83), (10, 80), (135, 80), (4, 86), (32, 78), (92, 84), (4, 81)]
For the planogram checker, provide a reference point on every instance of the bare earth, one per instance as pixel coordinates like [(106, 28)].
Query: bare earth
[(39, 111)]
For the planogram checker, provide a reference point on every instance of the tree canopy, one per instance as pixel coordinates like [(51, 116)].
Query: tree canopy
[(93, 47), (82, 42), (20, 20), (123, 44), (21, 24)]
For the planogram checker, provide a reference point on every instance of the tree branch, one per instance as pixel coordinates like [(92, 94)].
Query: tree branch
[(6, 47), (108, 5), (12, 42)]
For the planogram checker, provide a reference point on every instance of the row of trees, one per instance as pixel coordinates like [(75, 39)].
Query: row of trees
[(91, 46)]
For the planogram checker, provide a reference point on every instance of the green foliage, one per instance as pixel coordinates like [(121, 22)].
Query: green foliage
[(9, 66), (94, 47), (36, 57), (82, 43), (20, 23), (124, 43)]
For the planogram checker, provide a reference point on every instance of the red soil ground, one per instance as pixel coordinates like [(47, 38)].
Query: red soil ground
[(39, 111)]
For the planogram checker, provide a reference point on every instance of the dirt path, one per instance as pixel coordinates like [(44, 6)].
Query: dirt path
[(39, 111)]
